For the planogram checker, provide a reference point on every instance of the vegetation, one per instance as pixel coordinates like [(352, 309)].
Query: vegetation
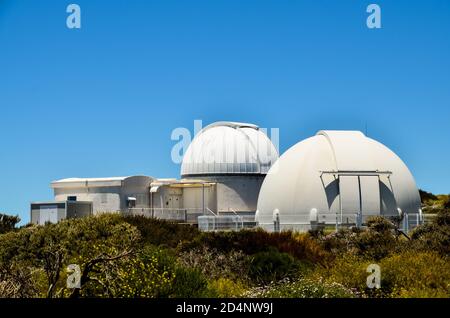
[(8, 222), (121, 256)]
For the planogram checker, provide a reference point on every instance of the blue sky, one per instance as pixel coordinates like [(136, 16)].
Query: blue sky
[(103, 100)]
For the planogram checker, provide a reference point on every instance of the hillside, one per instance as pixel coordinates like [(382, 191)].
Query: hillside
[(116, 256)]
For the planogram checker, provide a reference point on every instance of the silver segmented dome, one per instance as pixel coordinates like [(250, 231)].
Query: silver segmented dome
[(229, 148)]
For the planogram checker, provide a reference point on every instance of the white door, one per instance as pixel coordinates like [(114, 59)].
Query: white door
[(48, 213), (349, 195), (359, 195), (370, 195)]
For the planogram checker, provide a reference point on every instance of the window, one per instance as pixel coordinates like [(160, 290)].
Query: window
[(141, 199), (131, 202), (71, 198)]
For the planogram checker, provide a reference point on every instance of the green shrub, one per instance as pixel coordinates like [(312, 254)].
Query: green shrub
[(402, 274), (376, 241), (161, 232), (272, 266), (434, 236), (349, 270), (300, 246), (303, 288), (424, 274), (225, 288), (447, 202), (8, 223), (188, 283), (141, 275), (214, 264), (427, 196), (51, 248)]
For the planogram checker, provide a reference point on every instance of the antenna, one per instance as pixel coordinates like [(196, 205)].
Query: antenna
[(366, 130)]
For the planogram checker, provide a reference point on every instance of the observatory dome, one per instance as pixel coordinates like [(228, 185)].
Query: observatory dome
[(335, 177), (229, 148)]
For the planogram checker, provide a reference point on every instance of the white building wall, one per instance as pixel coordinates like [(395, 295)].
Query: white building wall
[(104, 199), (193, 198), (235, 192)]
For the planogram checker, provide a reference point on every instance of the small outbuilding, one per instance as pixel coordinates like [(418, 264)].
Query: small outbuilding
[(55, 211)]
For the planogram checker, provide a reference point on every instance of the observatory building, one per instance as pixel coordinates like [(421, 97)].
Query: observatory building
[(234, 156), (221, 175), (231, 177), (336, 178)]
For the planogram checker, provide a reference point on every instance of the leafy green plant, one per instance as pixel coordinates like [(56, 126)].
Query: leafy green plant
[(8, 222), (434, 236), (215, 264), (272, 266), (302, 288), (300, 246), (225, 288), (188, 283), (161, 232)]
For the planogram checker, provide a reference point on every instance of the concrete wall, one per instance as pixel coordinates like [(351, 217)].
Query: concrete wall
[(104, 199), (167, 198), (64, 210), (35, 212), (193, 198), (138, 187), (78, 209), (236, 192)]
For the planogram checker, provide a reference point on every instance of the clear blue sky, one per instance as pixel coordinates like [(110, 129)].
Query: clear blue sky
[(103, 100)]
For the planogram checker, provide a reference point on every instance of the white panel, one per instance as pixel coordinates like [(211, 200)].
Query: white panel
[(349, 194), (351, 150), (370, 195), (48, 213)]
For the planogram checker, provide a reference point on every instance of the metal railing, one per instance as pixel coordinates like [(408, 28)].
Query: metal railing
[(220, 223), (340, 221), (188, 215)]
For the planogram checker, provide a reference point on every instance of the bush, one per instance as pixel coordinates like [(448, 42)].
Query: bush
[(162, 232), (188, 283), (300, 246), (434, 236), (272, 266), (225, 288), (51, 248), (424, 274), (376, 241), (8, 222), (447, 202), (140, 275), (427, 196), (303, 288), (215, 265), (349, 270), (406, 273)]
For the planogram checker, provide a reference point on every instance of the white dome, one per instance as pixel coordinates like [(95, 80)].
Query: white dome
[(336, 175), (229, 148)]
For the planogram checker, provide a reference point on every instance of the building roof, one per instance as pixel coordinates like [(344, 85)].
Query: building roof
[(68, 180), (229, 148), (92, 182)]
